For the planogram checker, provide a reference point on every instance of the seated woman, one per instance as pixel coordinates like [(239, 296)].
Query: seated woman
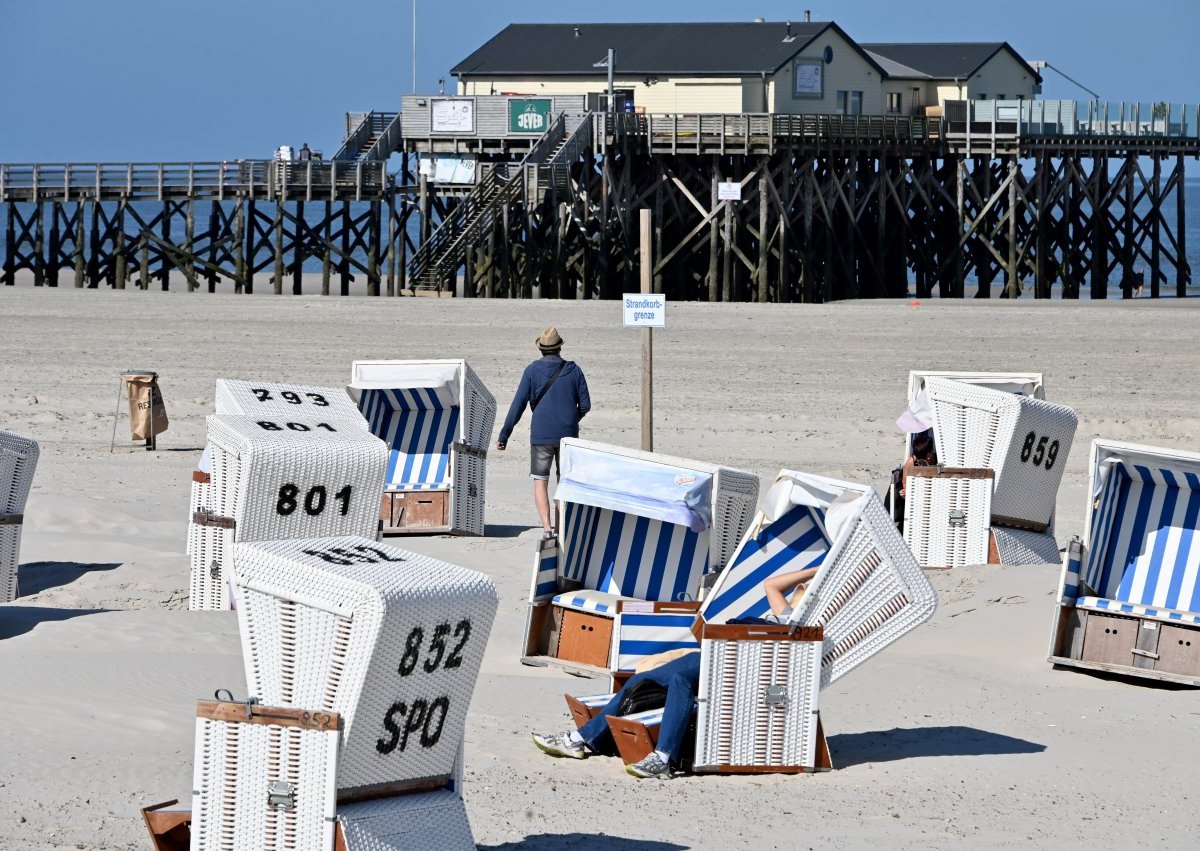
[(924, 454), (778, 587)]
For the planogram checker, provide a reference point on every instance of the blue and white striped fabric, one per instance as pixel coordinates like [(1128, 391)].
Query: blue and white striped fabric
[(642, 634), (600, 602), (1145, 539), (1101, 604), (632, 556), (595, 701), (795, 541), (648, 718), (545, 576), (418, 429)]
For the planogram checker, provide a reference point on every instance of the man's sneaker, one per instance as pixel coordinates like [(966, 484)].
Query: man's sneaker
[(651, 766), (560, 744)]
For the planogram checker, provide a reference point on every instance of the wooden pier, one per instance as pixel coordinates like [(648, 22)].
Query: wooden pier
[(992, 199)]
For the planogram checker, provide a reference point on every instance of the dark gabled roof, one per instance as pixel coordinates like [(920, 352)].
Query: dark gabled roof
[(943, 60), (732, 49), (896, 70)]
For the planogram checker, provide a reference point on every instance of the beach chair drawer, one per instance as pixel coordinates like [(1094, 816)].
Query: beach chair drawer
[(1110, 639), (415, 510), (1178, 650), (583, 637)]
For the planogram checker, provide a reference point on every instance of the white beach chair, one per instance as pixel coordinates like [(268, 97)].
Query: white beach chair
[(239, 397), (235, 396), (391, 641), (18, 460), (639, 531), (436, 417), (263, 778), (976, 416), (279, 478), (758, 692), (1129, 596), (1024, 439), (948, 515)]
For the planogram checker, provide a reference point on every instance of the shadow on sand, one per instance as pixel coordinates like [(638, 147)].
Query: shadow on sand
[(583, 842), (18, 620), (36, 576), (887, 745), (501, 531)]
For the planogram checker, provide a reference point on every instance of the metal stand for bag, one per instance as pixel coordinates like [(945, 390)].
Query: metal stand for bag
[(152, 440)]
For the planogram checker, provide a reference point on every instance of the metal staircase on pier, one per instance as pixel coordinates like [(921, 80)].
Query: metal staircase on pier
[(547, 164), (370, 136)]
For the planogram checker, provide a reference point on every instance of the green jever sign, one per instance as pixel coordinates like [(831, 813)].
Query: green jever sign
[(529, 115)]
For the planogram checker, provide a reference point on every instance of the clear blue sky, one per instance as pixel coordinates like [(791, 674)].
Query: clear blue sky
[(178, 80)]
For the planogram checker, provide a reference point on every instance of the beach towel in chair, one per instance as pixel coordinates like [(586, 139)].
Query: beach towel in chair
[(1129, 597), (436, 418), (637, 529), (18, 460)]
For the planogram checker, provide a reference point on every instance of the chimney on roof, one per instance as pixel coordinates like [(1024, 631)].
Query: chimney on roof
[(576, 32), (808, 16), (789, 29)]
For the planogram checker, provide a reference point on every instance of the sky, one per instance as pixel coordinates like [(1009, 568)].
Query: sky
[(181, 80)]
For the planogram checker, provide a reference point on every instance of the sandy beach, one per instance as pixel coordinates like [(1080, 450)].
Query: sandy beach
[(962, 733)]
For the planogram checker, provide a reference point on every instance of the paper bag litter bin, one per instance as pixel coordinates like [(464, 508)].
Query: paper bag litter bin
[(147, 413)]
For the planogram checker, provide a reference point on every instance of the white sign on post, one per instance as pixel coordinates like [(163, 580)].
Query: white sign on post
[(645, 311), (729, 190)]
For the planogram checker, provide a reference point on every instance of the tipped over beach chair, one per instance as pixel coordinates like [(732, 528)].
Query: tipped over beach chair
[(436, 418), (278, 401), (639, 532), (1129, 596), (392, 642), (987, 424), (758, 698), (275, 478), (18, 460)]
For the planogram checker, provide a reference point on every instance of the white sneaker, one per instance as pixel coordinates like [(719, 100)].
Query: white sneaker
[(650, 767), (560, 744)]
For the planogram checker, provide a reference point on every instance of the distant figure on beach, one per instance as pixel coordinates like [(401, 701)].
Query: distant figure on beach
[(557, 394), (1141, 281), (305, 153), (681, 678)]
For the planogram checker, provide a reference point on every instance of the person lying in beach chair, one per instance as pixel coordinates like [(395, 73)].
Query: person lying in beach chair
[(681, 678), (778, 587)]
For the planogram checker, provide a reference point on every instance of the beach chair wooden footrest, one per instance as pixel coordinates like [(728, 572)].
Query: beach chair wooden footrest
[(583, 637), (636, 735), (415, 511), (1145, 643)]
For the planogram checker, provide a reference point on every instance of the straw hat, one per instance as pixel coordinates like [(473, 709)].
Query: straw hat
[(548, 340)]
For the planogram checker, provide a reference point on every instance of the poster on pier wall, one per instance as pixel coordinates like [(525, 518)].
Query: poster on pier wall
[(452, 115), (459, 169)]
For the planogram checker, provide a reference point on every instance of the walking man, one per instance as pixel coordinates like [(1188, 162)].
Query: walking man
[(557, 394)]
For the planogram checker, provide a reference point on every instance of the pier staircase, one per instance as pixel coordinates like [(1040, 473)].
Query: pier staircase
[(548, 164), (370, 137)]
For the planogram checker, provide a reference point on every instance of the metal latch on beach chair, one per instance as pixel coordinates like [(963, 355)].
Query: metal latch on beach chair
[(775, 695), (958, 517), (205, 517), (282, 796), (12, 519), (468, 449)]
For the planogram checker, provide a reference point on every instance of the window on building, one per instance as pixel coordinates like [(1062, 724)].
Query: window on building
[(856, 103), (1001, 97), (916, 100), (981, 96), (841, 101), (895, 103)]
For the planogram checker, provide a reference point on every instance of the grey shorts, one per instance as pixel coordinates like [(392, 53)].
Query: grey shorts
[(541, 455)]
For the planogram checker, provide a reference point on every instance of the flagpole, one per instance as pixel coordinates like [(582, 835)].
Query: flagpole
[(414, 47)]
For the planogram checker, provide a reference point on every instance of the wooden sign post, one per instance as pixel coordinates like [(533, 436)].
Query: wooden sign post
[(646, 310)]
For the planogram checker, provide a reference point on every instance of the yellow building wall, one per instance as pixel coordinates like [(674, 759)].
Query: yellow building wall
[(849, 71), (665, 95), (926, 95)]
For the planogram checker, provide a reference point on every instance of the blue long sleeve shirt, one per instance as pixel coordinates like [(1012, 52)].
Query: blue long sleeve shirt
[(560, 409)]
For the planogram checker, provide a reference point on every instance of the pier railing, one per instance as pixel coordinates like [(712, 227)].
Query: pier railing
[(267, 179)]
